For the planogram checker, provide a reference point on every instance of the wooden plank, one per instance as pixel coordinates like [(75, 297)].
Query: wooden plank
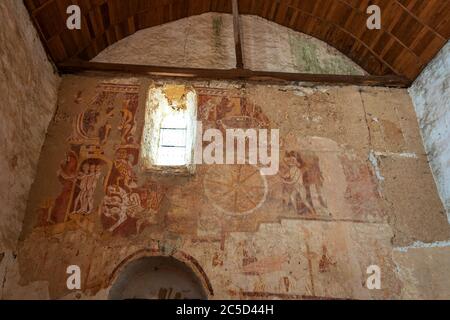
[(420, 27), (237, 35), (76, 66)]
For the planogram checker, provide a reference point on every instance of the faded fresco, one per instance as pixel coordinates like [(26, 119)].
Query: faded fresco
[(96, 166), (309, 231)]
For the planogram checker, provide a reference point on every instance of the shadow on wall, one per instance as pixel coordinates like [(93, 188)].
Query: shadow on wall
[(157, 278)]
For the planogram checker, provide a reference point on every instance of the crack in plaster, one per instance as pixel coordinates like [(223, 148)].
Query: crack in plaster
[(420, 245)]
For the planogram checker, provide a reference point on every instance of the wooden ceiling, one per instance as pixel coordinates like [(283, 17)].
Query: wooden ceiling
[(413, 31)]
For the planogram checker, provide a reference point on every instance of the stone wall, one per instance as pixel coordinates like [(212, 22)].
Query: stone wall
[(364, 189), (431, 97), (207, 41), (354, 187), (29, 86)]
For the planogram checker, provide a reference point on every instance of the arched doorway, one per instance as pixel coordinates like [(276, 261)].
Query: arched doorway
[(157, 278)]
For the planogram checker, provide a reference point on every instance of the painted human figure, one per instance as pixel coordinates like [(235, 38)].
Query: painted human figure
[(312, 177), (104, 126), (124, 165), (92, 125), (120, 206), (67, 175), (138, 212), (302, 175), (114, 206), (255, 112), (213, 110), (293, 183), (81, 201), (92, 181), (88, 179), (127, 125), (326, 262)]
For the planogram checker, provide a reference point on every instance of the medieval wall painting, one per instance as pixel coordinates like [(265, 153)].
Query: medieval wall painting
[(98, 174), (235, 190), (85, 186), (254, 236), (301, 175), (322, 180)]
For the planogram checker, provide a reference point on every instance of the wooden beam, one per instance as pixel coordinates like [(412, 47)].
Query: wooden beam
[(76, 66), (237, 35)]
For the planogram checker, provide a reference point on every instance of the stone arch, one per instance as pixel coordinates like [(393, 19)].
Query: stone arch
[(174, 276)]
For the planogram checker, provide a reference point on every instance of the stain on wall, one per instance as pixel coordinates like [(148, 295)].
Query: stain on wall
[(431, 97), (310, 55)]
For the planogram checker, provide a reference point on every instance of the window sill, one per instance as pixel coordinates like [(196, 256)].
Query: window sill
[(183, 171)]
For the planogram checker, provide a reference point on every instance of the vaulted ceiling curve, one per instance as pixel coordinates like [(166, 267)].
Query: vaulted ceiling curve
[(412, 32)]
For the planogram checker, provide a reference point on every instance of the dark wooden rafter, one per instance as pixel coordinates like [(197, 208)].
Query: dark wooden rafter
[(77, 66), (237, 35)]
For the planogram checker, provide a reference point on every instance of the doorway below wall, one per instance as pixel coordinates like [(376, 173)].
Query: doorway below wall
[(157, 278)]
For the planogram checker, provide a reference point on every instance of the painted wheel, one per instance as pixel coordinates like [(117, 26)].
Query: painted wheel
[(235, 189)]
